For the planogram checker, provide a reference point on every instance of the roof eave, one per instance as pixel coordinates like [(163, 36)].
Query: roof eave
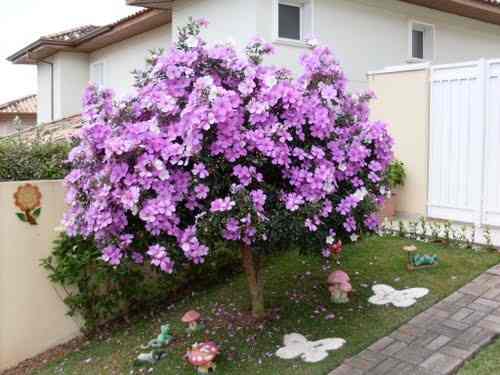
[(99, 38), (481, 11), (155, 4), (17, 57)]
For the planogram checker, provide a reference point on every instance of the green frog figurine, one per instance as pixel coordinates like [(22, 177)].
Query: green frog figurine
[(424, 260), (163, 339)]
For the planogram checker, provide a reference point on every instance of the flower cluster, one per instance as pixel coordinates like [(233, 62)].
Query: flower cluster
[(213, 134)]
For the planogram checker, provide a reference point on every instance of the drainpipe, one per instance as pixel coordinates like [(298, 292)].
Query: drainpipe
[(51, 64)]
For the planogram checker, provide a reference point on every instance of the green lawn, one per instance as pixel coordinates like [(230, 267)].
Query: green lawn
[(296, 289), (486, 363)]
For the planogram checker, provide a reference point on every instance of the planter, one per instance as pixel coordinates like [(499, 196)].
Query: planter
[(388, 209)]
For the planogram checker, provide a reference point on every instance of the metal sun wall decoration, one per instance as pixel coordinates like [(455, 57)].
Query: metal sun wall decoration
[(297, 345), (28, 199)]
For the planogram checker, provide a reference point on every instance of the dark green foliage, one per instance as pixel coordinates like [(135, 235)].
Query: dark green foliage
[(396, 174), (36, 159), (100, 293)]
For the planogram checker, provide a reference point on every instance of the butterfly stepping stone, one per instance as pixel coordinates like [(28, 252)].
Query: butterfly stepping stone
[(297, 346), (387, 295)]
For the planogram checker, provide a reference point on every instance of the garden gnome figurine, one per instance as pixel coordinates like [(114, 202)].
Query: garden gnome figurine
[(339, 286), (192, 318), (203, 356)]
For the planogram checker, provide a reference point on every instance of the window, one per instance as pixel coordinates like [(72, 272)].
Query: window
[(294, 20), (289, 23), (418, 44), (97, 73), (421, 41)]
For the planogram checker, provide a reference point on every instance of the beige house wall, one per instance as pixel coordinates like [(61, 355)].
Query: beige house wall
[(403, 102), (32, 315)]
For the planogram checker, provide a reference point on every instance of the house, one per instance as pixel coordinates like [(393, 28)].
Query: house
[(366, 35), (18, 115), (106, 55)]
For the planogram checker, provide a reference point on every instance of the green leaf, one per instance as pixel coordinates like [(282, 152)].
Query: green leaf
[(21, 217), (37, 212)]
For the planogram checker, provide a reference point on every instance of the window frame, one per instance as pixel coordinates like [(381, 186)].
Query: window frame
[(103, 72), (306, 21), (429, 41)]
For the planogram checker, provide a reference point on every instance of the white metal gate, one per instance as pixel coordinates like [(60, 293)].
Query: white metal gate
[(491, 203), (464, 151)]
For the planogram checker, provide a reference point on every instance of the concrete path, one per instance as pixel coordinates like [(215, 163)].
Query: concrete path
[(439, 340)]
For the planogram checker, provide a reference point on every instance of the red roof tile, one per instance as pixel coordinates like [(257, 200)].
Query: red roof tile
[(72, 34), (27, 104)]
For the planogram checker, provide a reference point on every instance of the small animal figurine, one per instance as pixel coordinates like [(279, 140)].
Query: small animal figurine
[(163, 339), (202, 356), (339, 287), (192, 318), (151, 358), (424, 260)]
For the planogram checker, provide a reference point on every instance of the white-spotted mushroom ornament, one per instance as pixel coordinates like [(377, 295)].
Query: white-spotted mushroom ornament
[(202, 356)]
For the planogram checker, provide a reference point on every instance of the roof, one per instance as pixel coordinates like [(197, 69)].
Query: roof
[(482, 10), (89, 38), (57, 131), (72, 34), (494, 2), (24, 105)]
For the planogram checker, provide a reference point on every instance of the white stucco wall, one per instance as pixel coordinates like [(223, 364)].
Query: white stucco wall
[(44, 92), (234, 20), (71, 76), (364, 34), (122, 58)]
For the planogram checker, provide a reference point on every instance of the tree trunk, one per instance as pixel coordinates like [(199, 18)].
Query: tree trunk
[(252, 266)]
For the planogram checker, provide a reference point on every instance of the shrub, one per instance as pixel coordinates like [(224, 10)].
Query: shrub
[(100, 293), (35, 159), (396, 174), (216, 146)]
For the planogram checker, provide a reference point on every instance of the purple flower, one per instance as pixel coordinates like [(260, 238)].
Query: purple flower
[(138, 170), (200, 170), (350, 225), (137, 258), (348, 204), (258, 199), (201, 191), (222, 205), (112, 255), (232, 231), (160, 258), (372, 221), (293, 201)]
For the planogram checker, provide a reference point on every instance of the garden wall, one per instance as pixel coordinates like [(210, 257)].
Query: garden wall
[(32, 314), (403, 102)]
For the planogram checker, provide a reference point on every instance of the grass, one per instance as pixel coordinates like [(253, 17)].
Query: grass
[(296, 290), (486, 363)]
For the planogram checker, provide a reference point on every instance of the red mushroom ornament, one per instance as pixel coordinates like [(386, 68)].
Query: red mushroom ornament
[(192, 318), (203, 356), (339, 286)]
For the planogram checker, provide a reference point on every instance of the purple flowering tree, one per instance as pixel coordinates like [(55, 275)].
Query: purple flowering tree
[(214, 142)]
